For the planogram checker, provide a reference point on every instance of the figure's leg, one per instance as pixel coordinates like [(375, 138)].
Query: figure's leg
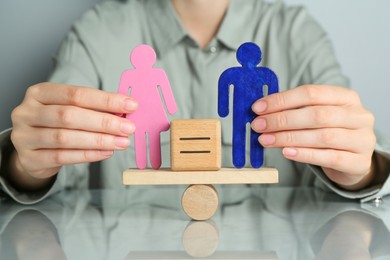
[(155, 149), (239, 141), (140, 149), (256, 151)]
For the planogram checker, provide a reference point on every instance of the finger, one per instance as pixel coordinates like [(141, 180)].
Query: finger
[(47, 158), (60, 94), (71, 117), (75, 139), (307, 95), (333, 138), (342, 161), (311, 117)]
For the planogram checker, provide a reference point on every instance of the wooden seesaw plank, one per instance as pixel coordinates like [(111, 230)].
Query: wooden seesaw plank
[(223, 176)]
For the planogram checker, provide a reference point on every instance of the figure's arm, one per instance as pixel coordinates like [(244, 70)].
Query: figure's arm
[(223, 93), (167, 93), (124, 84), (273, 85)]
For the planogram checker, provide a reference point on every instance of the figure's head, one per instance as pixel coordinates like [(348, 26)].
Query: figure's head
[(249, 54), (143, 56)]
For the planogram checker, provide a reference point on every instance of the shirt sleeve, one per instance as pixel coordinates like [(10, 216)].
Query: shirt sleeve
[(75, 176), (74, 65), (21, 197), (313, 49)]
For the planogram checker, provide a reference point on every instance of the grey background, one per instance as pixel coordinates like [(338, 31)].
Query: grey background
[(30, 34), (31, 31)]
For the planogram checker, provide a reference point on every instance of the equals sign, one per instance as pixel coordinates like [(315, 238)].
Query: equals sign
[(195, 139)]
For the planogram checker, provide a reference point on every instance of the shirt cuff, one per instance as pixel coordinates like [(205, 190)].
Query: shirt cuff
[(26, 198), (382, 148), (365, 195)]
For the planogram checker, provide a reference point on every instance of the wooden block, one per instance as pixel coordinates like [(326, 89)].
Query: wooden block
[(223, 176), (200, 202), (195, 144)]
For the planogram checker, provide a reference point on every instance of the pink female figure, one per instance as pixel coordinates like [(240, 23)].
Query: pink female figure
[(150, 118)]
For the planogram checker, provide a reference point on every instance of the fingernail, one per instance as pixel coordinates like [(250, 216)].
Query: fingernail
[(259, 106), (290, 152), (267, 139), (106, 153), (127, 127), (130, 105), (121, 142), (259, 124)]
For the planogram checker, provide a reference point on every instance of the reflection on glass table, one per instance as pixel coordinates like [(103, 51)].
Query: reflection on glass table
[(252, 222)]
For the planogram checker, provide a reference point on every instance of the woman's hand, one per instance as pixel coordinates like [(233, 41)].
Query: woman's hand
[(59, 124), (320, 125)]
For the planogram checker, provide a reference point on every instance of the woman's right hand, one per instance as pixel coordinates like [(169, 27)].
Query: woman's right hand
[(59, 124)]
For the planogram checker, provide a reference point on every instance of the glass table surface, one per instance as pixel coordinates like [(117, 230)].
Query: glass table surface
[(252, 222)]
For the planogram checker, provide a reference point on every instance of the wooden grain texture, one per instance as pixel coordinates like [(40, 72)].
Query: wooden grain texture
[(200, 202), (224, 176), (195, 144)]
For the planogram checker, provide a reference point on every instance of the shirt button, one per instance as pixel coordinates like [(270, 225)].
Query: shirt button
[(213, 49)]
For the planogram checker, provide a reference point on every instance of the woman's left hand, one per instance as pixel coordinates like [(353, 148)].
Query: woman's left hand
[(320, 125)]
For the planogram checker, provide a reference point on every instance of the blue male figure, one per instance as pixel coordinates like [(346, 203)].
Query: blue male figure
[(249, 82)]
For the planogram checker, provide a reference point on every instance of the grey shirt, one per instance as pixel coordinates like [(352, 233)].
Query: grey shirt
[(96, 51)]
